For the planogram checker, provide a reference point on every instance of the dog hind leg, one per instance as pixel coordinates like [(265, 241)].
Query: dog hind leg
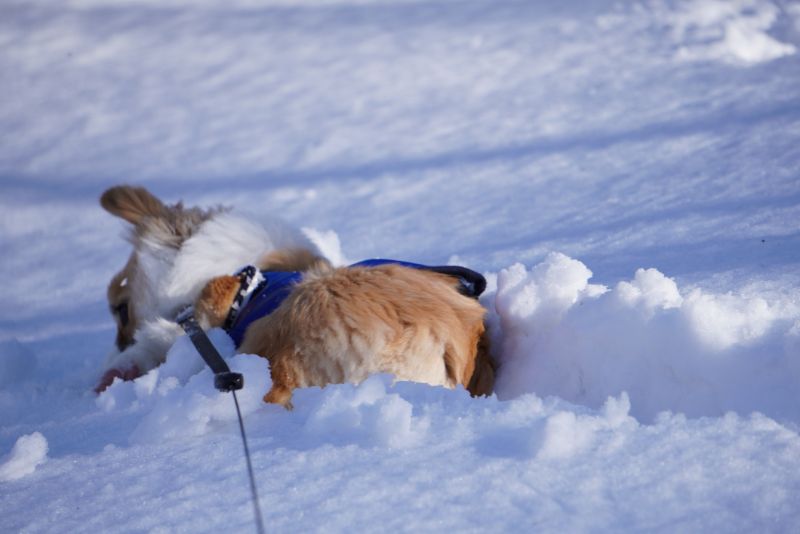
[(284, 380)]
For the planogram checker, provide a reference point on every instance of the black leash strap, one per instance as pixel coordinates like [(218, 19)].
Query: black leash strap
[(253, 490), (224, 380)]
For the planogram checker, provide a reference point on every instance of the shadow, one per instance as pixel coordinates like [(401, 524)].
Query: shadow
[(536, 148), (514, 443), (698, 259), (410, 167), (260, 19)]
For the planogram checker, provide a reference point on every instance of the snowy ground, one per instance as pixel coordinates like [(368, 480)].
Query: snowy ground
[(627, 174)]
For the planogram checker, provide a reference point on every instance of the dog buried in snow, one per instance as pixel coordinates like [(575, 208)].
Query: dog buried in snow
[(333, 325)]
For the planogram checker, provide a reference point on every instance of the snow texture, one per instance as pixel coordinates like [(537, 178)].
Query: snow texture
[(700, 354), (28, 453), (731, 31), (625, 174)]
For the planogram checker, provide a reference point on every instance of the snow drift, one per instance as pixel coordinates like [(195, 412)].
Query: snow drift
[(693, 352)]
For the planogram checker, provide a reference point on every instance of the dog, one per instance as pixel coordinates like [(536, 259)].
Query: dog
[(336, 325)]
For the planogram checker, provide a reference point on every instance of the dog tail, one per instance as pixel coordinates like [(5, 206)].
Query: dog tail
[(132, 203)]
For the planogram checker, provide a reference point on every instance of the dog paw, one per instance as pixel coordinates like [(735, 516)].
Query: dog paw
[(108, 377), (278, 395)]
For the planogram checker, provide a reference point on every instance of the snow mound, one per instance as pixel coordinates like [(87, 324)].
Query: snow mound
[(700, 354), (196, 408), (178, 398), (182, 363), (28, 453), (365, 414), (732, 31)]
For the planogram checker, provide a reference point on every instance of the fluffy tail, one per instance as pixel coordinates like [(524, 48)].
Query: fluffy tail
[(132, 203)]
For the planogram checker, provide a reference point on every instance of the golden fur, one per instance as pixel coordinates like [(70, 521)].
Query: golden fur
[(292, 259), (337, 325), (344, 324)]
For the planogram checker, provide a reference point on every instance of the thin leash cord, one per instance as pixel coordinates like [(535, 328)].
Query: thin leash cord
[(256, 504)]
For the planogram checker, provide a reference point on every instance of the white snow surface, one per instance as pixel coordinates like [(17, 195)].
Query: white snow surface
[(27, 454), (626, 175)]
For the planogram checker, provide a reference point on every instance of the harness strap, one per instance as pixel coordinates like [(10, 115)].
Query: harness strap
[(267, 290), (472, 283)]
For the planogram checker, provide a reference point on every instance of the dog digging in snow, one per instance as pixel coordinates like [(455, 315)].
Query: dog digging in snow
[(315, 324)]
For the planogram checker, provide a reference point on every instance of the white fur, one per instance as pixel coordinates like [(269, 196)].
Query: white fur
[(167, 279), (222, 245), (153, 340)]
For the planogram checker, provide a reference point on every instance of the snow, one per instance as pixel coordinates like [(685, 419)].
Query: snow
[(17, 363), (702, 354), (730, 31), (624, 173), (29, 452)]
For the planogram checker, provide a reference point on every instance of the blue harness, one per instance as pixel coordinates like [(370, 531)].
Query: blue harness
[(277, 285)]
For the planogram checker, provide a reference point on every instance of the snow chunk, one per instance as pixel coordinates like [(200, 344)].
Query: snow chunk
[(364, 414), (564, 436), (28, 453), (732, 31), (650, 289), (567, 433), (617, 410), (328, 244), (722, 321), (545, 292)]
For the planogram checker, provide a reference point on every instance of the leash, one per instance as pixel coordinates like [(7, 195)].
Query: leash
[(251, 281), (224, 380)]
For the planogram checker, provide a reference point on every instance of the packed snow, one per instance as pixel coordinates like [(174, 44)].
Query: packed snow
[(625, 174)]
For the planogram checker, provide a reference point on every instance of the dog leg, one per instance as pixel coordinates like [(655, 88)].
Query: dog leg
[(153, 341), (283, 383), (212, 306)]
